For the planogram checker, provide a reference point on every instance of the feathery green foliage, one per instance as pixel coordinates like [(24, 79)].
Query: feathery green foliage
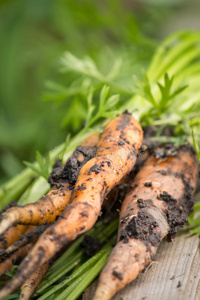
[(34, 35), (43, 168)]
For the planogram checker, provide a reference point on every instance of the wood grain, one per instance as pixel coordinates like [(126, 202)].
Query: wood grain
[(174, 274)]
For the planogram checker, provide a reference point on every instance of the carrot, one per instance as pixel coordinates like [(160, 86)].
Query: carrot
[(157, 205), (14, 258), (8, 257), (116, 156), (11, 235), (31, 236), (45, 210), (33, 282)]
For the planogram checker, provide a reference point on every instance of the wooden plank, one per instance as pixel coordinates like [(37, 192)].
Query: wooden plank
[(173, 275)]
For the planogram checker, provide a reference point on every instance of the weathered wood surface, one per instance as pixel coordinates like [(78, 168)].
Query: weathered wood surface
[(173, 275)]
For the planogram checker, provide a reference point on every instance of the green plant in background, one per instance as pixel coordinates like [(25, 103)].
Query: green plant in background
[(34, 35), (43, 165)]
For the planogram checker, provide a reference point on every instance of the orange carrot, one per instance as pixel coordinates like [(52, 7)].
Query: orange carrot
[(116, 156), (11, 235), (30, 236), (33, 282), (8, 258), (45, 210), (15, 258), (157, 205)]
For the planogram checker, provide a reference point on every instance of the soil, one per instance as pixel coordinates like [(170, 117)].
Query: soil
[(72, 167), (117, 274), (158, 149), (143, 226), (177, 209), (90, 245), (18, 260)]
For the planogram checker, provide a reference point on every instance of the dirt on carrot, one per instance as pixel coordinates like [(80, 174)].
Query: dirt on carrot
[(45, 210), (32, 282), (30, 236), (12, 235), (158, 204), (116, 155), (91, 245), (15, 259), (81, 155)]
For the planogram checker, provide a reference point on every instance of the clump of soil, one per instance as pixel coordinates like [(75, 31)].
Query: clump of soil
[(18, 260), (159, 149), (90, 245), (142, 227), (117, 275), (72, 167), (177, 209)]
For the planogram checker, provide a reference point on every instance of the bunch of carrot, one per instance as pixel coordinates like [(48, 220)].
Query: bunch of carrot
[(157, 204)]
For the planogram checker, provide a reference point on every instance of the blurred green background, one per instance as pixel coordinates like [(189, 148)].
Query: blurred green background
[(34, 35)]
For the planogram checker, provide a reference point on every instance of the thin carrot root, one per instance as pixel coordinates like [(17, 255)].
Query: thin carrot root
[(33, 282), (30, 236), (7, 260), (157, 205), (12, 235), (15, 258), (116, 156), (45, 210)]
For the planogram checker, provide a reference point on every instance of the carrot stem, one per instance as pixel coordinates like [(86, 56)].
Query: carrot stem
[(89, 276), (81, 270), (35, 191), (73, 255), (60, 273)]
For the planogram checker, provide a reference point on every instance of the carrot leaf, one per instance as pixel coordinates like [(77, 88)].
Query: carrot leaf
[(105, 107), (143, 88), (166, 94), (85, 66), (13, 296), (196, 145), (43, 168)]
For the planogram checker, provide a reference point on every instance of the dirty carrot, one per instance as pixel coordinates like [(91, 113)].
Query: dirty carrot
[(33, 281), (116, 155), (14, 259), (45, 210), (31, 236), (8, 259), (158, 204), (11, 235)]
